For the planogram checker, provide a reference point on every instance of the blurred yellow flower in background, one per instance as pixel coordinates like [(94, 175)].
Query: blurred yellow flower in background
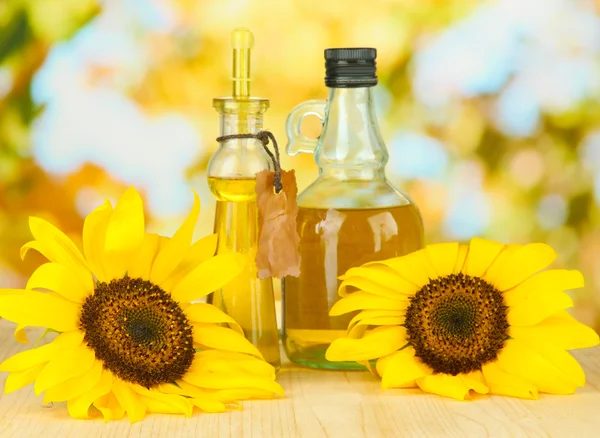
[(132, 338), (452, 319)]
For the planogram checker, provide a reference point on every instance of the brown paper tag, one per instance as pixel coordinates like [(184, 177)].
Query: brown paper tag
[(277, 254)]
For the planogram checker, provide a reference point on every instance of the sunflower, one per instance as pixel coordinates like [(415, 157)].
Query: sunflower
[(130, 337), (455, 320)]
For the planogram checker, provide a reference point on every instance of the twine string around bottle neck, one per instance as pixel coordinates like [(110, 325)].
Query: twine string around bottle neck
[(264, 137)]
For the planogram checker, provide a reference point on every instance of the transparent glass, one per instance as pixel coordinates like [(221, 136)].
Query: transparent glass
[(232, 180), (348, 216)]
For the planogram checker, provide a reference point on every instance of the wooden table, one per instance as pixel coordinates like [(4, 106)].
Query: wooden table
[(327, 404)]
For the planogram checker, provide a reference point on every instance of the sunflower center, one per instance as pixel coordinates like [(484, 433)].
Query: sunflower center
[(140, 333), (457, 323)]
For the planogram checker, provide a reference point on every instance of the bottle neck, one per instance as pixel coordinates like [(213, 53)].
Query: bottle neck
[(351, 146), (243, 123)]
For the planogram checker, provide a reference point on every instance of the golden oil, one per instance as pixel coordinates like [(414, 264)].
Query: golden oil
[(331, 242), (247, 299)]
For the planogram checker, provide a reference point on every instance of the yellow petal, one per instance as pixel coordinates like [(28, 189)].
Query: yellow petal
[(161, 403), (207, 313), (69, 364), (443, 257), (78, 407), (537, 307), (124, 234), (379, 342), (554, 280), (208, 405), (209, 276), (20, 335), (94, 235), (40, 309), (236, 381), (129, 400), (230, 362), (401, 368), (58, 278), (109, 407), (482, 254), (199, 252), (75, 386), (561, 359), (223, 338), (377, 317), (517, 358), (19, 379), (362, 300), (379, 280), (561, 329), (502, 383), (414, 267), (143, 259), (57, 247), (461, 257), (456, 387), (515, 265), (175, 249), (29, 358)]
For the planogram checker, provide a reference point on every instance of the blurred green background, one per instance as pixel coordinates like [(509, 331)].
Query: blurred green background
[(490, 110)]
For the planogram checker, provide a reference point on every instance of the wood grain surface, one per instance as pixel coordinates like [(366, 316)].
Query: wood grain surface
[(327, 404)]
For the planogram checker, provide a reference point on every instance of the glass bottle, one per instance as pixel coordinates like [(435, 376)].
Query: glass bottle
[(350, 215), (232, 180)]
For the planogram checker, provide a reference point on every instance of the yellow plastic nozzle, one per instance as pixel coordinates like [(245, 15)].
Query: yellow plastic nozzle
[(242, 42)]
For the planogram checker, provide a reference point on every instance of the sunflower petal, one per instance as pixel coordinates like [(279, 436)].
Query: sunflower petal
[(94, 235), (175, 249), (379, 342), (79, 407), (231, 361), (69, 364), (401, 368), (161, 403), (75, 386), (534, 309), (207, 313), (208, 405), (443, 257), (560, 329), (561, 359), (58, 278), (502, 383), (414, 267), (109, 407), (199, 252), (124, 233), (142, 262), (20, 335), (377, 317), (456, 387), (57, 247), (362, 300), (236, 381), (29, 358), (552, 280), (223, 338), (482, 254), (209, 276), (129, 400), (518, 264), (19, 379), (516, 358), (40, 309), (463, 252), (377, 279)]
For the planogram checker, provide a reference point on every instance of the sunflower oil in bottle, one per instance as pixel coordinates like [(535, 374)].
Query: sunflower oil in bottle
[(350, 215), (232, 180)]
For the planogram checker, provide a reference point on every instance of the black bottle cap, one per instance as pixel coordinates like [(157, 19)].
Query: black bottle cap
[(350, 67)]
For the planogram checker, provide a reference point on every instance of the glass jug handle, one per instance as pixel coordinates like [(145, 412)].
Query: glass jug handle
[(297, 141)]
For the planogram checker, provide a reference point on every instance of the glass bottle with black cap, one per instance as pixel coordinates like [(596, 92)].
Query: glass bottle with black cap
[(350, 214)]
